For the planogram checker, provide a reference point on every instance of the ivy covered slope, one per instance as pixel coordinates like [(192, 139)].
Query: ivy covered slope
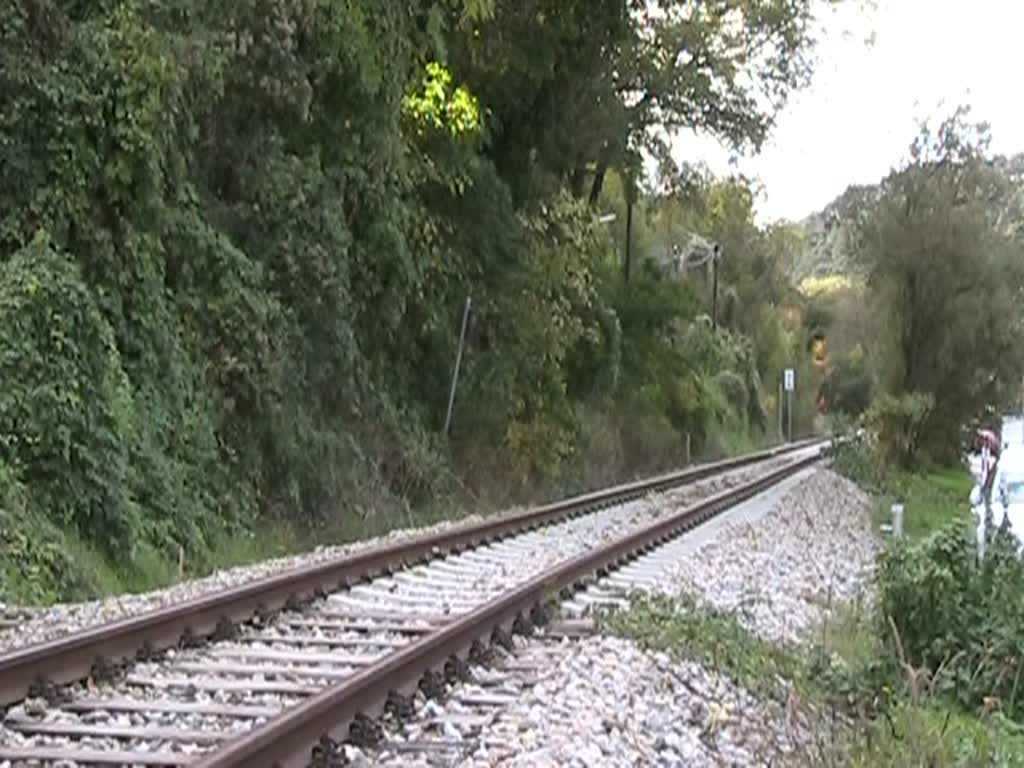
[(235, 239)]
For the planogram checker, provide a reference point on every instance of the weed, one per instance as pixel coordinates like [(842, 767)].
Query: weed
[(688, 629), (869, 704)]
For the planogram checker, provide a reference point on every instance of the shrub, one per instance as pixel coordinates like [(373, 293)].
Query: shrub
[(35, 564), (848, 387), (734, 389), (958, 619), (857, 461), (896, 423), (65, 406)]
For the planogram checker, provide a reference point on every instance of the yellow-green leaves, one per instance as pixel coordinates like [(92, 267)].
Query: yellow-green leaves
[(438, 105)]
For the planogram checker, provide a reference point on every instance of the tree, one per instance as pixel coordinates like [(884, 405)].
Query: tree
[(946, 273), (578, 87)]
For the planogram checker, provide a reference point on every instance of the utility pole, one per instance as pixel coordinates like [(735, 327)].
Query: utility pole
[(458, 365), (714, 287)]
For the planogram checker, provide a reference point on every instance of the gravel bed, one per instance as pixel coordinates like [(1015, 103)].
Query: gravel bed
[(815, 548), (43, 624), (605, 703)]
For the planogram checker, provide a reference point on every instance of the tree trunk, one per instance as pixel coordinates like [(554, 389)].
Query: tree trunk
[(598, 184), (629, 242), (578, 180)]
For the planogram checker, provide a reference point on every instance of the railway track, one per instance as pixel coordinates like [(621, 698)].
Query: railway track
[(283, 671)]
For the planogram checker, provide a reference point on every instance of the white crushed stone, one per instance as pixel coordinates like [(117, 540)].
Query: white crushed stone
[(605, 703), (814, 549)]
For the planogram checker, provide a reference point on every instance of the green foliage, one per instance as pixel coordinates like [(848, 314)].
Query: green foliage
[(859, 462), (895, 423), (932, 499), (66, 408), (933, 736), (847, 671), (927, 674), (892, 716), (576, 87), (734, 389), (848, 387), (441, 106), (944, 273), (35, 564), (690, 630), (958, 619), (944, 634)]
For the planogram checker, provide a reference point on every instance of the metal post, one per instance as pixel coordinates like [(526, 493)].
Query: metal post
[(789, 410), (782, 433), (458, 365), (897, 521)]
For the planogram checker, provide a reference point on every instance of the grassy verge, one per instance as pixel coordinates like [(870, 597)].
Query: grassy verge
[(932, 498), (43, 564)]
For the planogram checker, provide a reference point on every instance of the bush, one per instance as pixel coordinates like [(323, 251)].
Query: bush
[(857, 461), (35, 564), (734, 389), (848, 387), (896, 424), (959, 620), (65, 406)]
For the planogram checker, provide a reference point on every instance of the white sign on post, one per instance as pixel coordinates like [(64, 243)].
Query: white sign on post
[(790, 379)]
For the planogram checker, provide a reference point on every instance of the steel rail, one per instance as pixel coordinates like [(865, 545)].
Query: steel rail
[(88, 652), (311, 733)]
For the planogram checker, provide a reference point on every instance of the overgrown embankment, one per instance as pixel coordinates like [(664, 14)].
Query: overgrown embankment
[(236, 240)]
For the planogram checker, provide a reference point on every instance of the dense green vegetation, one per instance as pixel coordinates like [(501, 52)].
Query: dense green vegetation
[(235, 241), (925, 298), (926, 310)]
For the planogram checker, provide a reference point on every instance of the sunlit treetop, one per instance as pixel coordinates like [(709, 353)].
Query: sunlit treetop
[(437, 104)]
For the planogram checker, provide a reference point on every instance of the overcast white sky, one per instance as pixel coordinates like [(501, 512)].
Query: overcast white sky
[(858, 117)]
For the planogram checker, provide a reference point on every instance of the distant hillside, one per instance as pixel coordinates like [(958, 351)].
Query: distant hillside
[(828, 252)]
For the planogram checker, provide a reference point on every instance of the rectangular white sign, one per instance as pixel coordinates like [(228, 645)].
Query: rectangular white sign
[(790, 379)]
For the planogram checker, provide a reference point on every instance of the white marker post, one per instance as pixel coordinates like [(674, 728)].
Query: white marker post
[(789, 383)]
